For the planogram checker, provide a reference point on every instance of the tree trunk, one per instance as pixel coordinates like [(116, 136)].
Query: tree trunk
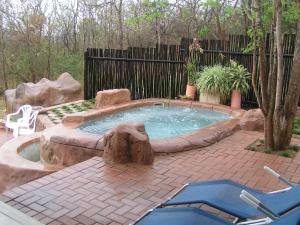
[(261, 59), (221, 31), (157, 31), (119, 10), (292, 97), (268, 131), (279, 109), (279, 86), (2, 44)]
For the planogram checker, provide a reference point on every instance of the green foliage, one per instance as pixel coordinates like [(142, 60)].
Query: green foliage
[(92, 101), (293, 147), (296, 126), (213, 80), (259, 146), (285, 154), (66, 109), (239, 77), (87, 104), (185, 97), (71, 63), (290, 14), (191, 69), (203, 32), (227, 12), (267, 14), (268, 151), (211, 3), (155, 9)]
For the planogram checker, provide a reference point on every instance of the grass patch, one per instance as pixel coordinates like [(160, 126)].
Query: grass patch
[(259, 146), (185, 97), (296, 127), (59, 112)]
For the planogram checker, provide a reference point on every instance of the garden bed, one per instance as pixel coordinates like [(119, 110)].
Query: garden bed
[(57, 113), (259, 146), (296, 127)]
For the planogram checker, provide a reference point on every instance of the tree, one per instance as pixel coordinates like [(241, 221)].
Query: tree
[(155, 11), (2, 52), (278, 105)]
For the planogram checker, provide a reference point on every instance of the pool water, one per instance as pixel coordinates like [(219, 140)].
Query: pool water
[(160, 122), (31, 152)]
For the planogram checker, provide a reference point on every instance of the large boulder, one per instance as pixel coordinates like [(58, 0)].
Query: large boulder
[(128, 143), (45, 93), (252, 120), (112, 97)]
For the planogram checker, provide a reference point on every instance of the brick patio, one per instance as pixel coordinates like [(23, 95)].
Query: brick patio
[(93, 192)]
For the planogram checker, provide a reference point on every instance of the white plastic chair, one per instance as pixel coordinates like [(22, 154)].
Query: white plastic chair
[(25, 111), (27, 129)]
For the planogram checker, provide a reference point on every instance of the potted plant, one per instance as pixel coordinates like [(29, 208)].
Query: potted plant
[(239, 82), (213, 84), (192, 74)]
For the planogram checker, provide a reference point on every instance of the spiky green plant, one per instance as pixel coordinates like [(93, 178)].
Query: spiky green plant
[(238, 76), (192, 73), (213, 81)]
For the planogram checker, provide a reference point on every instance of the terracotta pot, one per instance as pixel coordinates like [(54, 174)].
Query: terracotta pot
[(190, 91), (236, 99)]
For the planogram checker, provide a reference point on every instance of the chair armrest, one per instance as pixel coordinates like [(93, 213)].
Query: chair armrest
[(255, 203), (278, 176), (11, 114)]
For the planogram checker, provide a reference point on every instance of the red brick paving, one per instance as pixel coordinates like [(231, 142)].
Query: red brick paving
[(93, 192)]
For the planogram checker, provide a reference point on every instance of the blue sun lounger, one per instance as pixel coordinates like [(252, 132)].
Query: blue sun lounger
[(196, 216), (224, 195)]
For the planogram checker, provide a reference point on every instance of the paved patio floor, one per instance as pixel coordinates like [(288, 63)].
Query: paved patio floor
[(93, 192)]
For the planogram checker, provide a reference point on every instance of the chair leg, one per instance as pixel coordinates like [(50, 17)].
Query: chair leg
[(6, 133), (16, 132)]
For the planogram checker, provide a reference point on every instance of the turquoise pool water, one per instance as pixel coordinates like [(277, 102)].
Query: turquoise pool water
[(160, 122), (31, 152)]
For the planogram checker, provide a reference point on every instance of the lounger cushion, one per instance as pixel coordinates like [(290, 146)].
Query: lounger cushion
[(225, 196), (196, 216), (181, 216)]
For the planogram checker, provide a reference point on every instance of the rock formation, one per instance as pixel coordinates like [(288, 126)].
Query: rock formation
[(252, 120), (112, 97), (128, 143), (61, 150), (44, 93)]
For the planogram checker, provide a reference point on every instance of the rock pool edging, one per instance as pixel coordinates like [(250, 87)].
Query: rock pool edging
[(15, 170), (62, 146), (197, 139)]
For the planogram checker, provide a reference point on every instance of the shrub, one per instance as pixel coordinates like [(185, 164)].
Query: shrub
[(285, 154), (213, 81), (239, 77), (268, 151), (192, 73)]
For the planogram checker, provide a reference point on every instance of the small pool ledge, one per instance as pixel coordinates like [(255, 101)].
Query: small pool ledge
[(15, 170)]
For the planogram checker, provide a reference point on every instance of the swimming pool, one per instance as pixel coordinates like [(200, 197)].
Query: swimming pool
[(160, 122)]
